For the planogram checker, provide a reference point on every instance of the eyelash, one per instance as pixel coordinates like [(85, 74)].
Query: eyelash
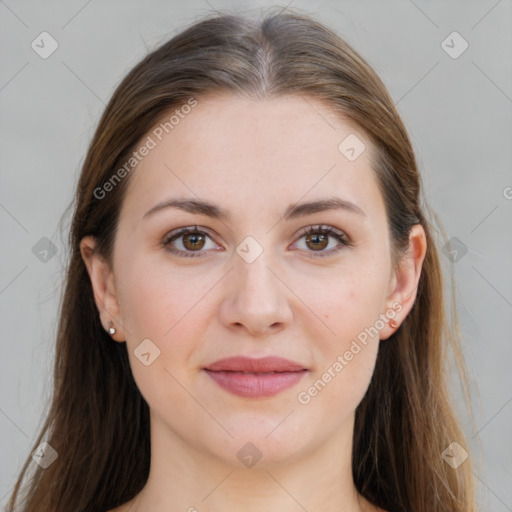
[(318, 229)]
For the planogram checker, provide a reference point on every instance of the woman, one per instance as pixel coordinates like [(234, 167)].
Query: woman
[(253, 316)]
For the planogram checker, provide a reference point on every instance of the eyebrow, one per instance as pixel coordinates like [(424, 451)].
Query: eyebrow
[(201, 207)]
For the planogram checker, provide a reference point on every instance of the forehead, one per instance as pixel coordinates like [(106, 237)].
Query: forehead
[(250, 151)]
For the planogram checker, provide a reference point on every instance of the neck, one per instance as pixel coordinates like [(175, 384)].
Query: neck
[(190, 479)]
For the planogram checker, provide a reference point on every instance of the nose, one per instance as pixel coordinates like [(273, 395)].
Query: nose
[(257, 300)]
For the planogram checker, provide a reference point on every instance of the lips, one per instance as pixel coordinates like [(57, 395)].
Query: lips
[(255, 378), (249, 365)]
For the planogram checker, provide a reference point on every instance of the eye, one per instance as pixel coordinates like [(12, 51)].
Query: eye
[(191, 240), (317, 239)]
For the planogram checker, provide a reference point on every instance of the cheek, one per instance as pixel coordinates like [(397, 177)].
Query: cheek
[(347, 339), (157, 301), (345, 360), (172, 308), (334, 392), (165, 309), (345, 304)]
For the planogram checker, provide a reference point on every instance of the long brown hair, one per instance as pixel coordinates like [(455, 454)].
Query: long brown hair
[(98, 422)]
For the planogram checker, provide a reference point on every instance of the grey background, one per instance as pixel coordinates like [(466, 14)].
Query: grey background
[(457, 110)]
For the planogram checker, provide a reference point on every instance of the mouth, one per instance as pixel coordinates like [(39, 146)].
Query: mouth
[(255, 378)]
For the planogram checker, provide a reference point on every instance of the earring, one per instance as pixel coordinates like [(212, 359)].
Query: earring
[(111, 329), (393, 324)]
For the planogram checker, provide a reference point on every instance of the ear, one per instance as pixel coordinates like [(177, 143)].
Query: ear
[(403, 286), (102, 280)]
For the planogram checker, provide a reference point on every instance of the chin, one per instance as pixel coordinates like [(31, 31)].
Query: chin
[(255, 448)]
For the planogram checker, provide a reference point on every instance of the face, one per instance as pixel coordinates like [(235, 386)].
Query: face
[(267, 278)]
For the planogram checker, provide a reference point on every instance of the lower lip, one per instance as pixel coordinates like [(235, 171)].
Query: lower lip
[(253, 385)]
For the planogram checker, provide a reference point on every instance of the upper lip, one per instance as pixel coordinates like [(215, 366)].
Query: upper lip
[(250, 365)]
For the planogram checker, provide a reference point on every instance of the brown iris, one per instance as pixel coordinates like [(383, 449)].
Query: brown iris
[(196, 241), (320, 241)]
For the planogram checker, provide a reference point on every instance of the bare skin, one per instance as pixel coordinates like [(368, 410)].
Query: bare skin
[(253, 158)]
